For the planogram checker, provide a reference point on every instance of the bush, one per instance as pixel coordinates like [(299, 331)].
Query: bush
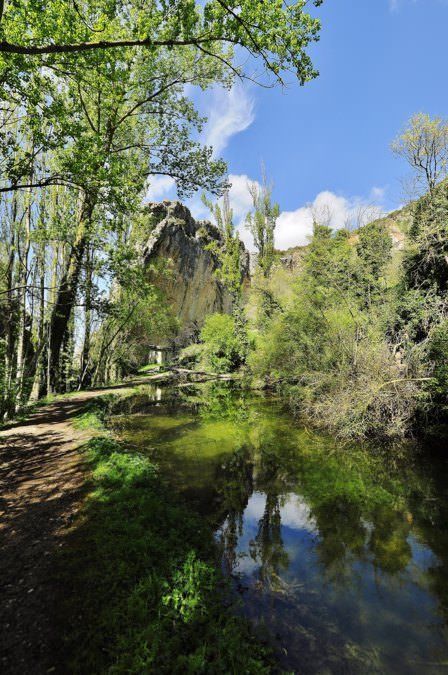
[(337, 368), (224, 350), (192, 355), (437, 356)]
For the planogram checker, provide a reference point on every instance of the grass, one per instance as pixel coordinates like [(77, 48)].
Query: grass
[(94, 414), (142, 591)]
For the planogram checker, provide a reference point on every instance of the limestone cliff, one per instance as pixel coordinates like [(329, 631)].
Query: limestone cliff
[(184, 268)]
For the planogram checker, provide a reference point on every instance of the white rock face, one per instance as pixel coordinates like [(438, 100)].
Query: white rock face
[(185, 269)]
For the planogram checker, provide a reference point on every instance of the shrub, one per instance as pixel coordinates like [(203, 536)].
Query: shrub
[(224, 350), (337, 368), (192, 355)]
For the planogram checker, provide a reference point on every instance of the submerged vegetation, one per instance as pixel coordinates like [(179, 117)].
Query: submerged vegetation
[(142, 589)]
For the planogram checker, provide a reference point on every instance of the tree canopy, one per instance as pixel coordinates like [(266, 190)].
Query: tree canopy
[(277, 33), (424, 145)]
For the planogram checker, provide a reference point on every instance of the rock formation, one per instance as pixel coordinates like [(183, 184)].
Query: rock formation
[(184, 268)]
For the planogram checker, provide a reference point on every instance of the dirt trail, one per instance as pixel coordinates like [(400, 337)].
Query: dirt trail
[(42, 481)]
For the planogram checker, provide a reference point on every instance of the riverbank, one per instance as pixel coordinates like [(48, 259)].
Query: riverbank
[(103, 567)]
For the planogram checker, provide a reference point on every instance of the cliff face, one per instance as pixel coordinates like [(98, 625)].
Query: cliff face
[(183, 268)]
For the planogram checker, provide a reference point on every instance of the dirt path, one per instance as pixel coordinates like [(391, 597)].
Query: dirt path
[(42, 481)]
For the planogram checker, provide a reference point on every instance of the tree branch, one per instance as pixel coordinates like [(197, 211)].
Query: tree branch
[(52, 180), (35, 50)]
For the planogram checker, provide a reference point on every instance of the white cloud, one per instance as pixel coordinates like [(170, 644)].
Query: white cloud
[(239, 196), (255, 507), (230, 112), (294, 228), (160, 187), (241, 203), (296, 514)]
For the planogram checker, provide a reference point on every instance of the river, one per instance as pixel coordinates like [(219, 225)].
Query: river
[(338, 554)]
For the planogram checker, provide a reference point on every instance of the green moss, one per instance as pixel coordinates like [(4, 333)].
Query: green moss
[(149, 368)]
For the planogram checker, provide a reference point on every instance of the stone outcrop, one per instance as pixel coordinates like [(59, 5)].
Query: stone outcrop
[(292, 259), (183, 267)]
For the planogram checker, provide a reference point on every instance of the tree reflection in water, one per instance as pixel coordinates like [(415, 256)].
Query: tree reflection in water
[(267, 549), (235, 494), (342, 551)]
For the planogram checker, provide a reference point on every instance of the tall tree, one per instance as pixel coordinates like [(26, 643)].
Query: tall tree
[(424, 145), (230, 250), (261, 223), (230, 253)]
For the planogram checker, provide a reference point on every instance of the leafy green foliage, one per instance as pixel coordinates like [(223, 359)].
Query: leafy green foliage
[(261, 223), (190, 587), (192, 355), (229, 252), (223, 349), (437, 354), (425, 264), (424, 145), (374, 249), (279, 36), (124, 340), (329, 350)]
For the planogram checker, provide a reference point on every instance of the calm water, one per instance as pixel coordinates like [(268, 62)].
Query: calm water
[(339, 554)]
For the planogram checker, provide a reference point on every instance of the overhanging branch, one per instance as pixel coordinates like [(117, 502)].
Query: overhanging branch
[(35, 50)]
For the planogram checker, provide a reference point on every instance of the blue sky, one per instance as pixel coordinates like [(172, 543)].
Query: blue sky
[(328, 142)]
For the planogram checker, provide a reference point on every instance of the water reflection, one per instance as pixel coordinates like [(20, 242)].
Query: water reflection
[(341, 553)]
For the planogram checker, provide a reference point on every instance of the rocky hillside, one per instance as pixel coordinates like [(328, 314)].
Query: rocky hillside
[(397, 222), (183, 267)]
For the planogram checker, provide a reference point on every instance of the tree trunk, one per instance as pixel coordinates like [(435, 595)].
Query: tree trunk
[(38, 381), (67, 356), (66, 295), (11, 320), (23, 315), (85, 374)]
